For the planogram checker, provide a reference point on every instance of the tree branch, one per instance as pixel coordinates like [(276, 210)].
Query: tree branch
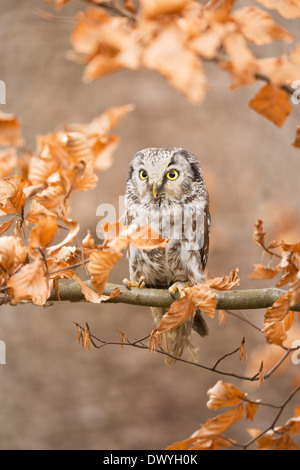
[(227, 300)]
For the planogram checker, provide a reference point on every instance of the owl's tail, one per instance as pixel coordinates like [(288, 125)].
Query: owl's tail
[(174, 342)]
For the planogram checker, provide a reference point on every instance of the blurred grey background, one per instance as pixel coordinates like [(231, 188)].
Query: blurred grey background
[(54, 394)]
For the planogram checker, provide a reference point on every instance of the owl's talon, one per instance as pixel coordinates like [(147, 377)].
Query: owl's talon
[(125, 282), (140, 283), (178, 287)]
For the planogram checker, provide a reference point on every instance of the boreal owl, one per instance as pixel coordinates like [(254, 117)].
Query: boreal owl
[(165, 190)]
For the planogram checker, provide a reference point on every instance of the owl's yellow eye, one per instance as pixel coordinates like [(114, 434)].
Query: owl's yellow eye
[(143, 175), (172, 175)]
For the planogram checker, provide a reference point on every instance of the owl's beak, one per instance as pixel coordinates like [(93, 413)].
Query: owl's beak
[(154, 190)]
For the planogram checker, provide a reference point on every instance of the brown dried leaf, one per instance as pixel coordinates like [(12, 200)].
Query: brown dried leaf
[(35, 211), (287, 8), (265, 441), (285, 442), (217, 425), (259, 234), (263, 272), (225, 282), (273, 103), (209, 436), (219, 10), (180, 310), (12, 253), (73, 227), (10, 130), (151, 10), (12, 197), (88, 242), (296, 142), (92, 296), (278, 319), (223, 394), (243, 354), (251, 409), (203, 298), (99, 266), (223, 317), (42, 233), (6, 225), (242, 62), (30, 283), (87, 338), (258, 26), (8, 161), (167, 53), (261, 375)]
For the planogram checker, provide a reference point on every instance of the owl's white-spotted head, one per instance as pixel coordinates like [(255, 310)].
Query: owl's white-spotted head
[(164, 175)]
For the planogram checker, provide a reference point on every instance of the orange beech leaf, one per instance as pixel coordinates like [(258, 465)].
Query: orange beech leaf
[(243, 354), (168, 55), (54, 267), (242, 62), (8, 161), (273, 103), (42, 234), (10, 130), (88, 242), (225, 282), (296, 142), (123, 338), (220, 423), (285, 442), (267, 440), (259, 234), (87, 338), (99, 266), (73, 227), (39, 169), (92, 296), (263, 272), (152, 10), (281, 69), (12, 253), (6, 225), (278, 319), (219, 11), (261, 374), (275, 332), (251, 409), (12, 197), (223, 317), (53, 197), (79, 335), (180, 310), (30, 283), (292, 425), (67, 254), (105, 122), (223, 394), (35, 211), (258, 26), (286, 8), (203, 298), (210, 433)]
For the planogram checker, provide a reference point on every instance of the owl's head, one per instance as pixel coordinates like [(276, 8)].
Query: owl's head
[(159, 175)]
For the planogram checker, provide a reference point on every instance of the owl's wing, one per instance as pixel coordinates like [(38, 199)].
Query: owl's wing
[(204, 240)]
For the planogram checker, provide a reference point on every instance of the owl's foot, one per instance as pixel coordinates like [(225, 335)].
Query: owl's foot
[(140, 283), (178, 286)]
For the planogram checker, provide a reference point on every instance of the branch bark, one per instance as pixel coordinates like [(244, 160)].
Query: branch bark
[(227, 300)]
